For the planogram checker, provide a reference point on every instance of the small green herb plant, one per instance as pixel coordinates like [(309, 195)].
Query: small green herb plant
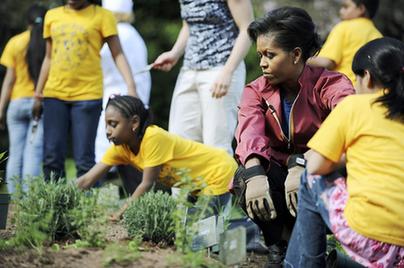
[(56, 211), (185, 222), (151, 217)]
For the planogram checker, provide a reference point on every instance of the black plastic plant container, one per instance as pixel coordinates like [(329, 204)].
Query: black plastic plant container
[(4, 202)]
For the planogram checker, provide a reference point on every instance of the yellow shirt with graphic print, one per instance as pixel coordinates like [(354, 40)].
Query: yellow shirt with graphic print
[(344, 41), (77, 37), (205, 164), (14, 57), (374, 149)]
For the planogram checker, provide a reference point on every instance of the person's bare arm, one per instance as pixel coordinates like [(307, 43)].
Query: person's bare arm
[(43, 77), (150, 176), (93, 175), (167, 60), (322, 62), (317, 164), (6, 88), (122, 63), (242, 13)]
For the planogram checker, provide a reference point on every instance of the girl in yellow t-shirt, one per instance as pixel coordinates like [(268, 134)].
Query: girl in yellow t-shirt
[(23, 57), (365, 210), (70, 82), (159, 154)]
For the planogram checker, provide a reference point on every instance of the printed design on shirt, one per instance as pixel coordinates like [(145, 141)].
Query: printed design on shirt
[(70, 42), (212, 33), (169, 175)]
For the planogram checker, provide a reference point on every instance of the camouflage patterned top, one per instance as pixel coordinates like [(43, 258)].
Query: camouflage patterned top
[(212, 32)]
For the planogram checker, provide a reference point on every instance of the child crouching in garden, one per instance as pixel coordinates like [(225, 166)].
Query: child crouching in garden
[(365, 210), (159, 154)]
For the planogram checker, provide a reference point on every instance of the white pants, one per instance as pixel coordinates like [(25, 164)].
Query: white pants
[(196, 115)]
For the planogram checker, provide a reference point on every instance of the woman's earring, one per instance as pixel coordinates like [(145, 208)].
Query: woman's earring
[(295, 62), (133, 129)]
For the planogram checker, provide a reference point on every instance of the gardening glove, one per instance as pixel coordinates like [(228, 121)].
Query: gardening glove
[(259, 203), (296, 166)]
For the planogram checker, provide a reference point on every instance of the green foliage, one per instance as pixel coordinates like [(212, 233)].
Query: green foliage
[(121, 254), (56, 211), (185, 222), (150, 216)]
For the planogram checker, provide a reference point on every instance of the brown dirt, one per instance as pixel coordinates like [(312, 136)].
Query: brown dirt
[(151, 256)]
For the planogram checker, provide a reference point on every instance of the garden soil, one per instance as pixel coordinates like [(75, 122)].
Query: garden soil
[(152, 256)]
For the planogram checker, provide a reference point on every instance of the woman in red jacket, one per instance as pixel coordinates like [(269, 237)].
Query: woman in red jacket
[(279, 112)]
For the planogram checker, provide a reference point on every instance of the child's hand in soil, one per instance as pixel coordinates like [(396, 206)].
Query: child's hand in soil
[(115, 217)]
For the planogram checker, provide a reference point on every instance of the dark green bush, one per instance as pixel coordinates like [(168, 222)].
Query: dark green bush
[(151, 217)]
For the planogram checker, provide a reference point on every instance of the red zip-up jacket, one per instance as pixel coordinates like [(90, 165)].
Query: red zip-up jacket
[(259, 130)]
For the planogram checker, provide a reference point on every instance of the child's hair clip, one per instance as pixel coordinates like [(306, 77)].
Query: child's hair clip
[(113, 96)]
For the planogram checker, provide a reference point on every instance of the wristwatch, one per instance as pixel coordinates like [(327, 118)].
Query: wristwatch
[(296, 160)]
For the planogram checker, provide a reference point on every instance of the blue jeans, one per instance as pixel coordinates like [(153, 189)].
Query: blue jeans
[(307, 245), (59, 117), (26, 144)]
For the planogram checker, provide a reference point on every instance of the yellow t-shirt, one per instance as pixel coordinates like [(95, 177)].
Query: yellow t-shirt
[(159, 147), (344, 41), (374, 149), (14, 57), (77, 37)]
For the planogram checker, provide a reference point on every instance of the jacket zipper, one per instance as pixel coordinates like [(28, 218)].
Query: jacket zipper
[(273, 112), (291, 121)]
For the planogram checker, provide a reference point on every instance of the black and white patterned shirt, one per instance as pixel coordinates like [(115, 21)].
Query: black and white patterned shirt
[(212, 32)]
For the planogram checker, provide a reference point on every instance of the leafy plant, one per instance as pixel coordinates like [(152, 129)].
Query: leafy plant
[(151, 217), (121, 254), (2, 159), (56, 210), (185, 221)]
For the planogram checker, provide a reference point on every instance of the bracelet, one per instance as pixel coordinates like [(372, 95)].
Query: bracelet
[(296, 160), (38, 96)]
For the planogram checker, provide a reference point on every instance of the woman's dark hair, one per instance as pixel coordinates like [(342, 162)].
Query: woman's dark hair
[(130, 106), (383, 58), (291, 27), (36, 45), (370, 5)]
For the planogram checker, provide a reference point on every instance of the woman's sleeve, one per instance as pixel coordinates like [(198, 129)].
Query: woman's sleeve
[(250, 132)]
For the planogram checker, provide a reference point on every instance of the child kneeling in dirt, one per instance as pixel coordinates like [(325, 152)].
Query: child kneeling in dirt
[(159, 154)]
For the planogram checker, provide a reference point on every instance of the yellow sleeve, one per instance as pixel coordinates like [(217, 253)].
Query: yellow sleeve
[(8, 58), (115, 155), (46, 25), (331, 139), (108, 27), (334, 45), (158, 148)]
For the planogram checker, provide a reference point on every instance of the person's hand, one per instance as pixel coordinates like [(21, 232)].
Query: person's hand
[(166, 61), (115, 217), (37, 109), (258, 200), (81, 183), (221, 84), (295, 170)]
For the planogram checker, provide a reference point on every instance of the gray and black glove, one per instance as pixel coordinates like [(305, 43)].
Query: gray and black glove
[(296, 166)]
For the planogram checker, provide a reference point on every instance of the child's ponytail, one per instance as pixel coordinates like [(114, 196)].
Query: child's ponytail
[(384, 59), (36, 45)]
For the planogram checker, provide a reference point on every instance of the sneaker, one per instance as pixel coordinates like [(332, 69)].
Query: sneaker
[(276, 255)]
